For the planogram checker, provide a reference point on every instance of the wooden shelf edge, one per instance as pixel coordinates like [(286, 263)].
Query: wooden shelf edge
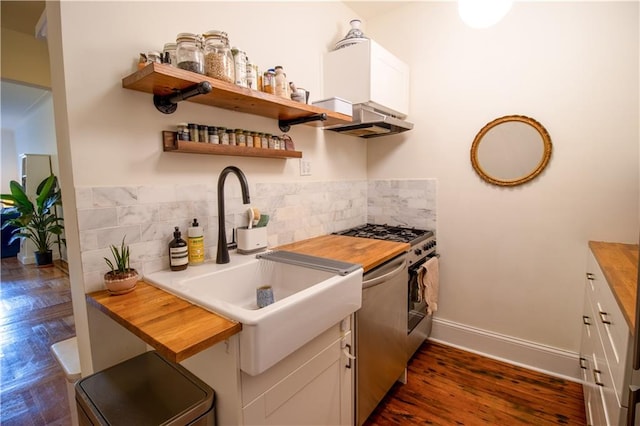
[(171, 144), (163, 79)]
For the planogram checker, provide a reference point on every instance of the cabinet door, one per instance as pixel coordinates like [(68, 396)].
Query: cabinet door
[(317, 393)]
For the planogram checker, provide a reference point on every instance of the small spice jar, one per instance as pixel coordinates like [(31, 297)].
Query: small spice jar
[(194, 136), (241, 140), (269, 81), (280, 83), (231, 133), (213, 135), (223, 135), (218, 60), (169, 54), (183, 132), (203, 131), (256, 140), (264, 140), (189, 53)]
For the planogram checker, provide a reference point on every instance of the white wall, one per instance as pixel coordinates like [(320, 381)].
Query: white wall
[(34, 134), (9, 156), (513, 260), (110, 136)]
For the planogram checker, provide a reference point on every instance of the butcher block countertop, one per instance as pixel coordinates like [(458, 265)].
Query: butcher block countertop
[(178, 329), (619, 264), (363, 251)]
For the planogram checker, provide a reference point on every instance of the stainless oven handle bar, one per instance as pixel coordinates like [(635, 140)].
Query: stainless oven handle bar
[(383, 278)]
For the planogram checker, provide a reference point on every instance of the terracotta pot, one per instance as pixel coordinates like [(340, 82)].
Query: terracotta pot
[(121, 283)]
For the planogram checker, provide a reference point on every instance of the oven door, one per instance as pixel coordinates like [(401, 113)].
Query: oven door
[(418, 322)]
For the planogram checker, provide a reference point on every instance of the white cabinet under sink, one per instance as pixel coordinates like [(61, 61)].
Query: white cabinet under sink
[(312, 386)]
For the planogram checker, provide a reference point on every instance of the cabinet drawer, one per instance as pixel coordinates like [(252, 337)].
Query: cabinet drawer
[(604, 389), (612, 328), (592, 403)]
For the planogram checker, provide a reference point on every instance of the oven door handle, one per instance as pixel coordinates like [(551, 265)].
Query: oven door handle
[(386, 277)]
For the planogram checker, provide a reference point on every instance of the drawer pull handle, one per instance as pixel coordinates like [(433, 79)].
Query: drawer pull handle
[(596, 377), (583, 362), (585, 320), (603, 318), (590, 276), (347, 353)]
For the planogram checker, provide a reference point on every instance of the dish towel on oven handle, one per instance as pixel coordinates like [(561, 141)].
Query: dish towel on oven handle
[(429, 283)]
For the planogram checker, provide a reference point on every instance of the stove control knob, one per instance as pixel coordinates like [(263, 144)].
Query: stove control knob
[(426, 247), (418, 252)]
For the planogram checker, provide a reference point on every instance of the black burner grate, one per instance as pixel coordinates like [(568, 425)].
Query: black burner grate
[(387, 232)]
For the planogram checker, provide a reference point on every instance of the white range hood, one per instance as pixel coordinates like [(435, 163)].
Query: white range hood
[(375, 82)]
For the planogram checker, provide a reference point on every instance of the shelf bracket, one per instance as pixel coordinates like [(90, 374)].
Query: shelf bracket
[(169, 103), (285, 125)]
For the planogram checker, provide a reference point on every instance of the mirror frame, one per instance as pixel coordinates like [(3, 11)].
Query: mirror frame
[(544, 135)]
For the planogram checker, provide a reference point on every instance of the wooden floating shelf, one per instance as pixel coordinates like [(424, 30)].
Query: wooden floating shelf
[(163, 79), (171, 143)]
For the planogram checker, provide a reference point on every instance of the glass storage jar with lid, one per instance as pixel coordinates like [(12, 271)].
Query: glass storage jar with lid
[(218, 59), (189, 53)]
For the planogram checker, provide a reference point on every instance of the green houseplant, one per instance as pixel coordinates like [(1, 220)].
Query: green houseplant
[(37, 219), (121, 278)]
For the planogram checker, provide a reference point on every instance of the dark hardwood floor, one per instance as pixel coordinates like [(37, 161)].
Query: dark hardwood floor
[(35, 312), (446, 386)]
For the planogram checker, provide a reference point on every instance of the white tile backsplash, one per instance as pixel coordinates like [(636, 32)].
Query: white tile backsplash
[(147, 215)]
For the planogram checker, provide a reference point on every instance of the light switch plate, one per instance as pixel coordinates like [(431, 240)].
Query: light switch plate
[(305, 167)]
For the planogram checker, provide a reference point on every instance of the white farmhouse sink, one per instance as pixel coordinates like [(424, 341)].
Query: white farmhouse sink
[(307, 302)]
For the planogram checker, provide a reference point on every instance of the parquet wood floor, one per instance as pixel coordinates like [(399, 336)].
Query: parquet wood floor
[(35, 312), (446, 386)]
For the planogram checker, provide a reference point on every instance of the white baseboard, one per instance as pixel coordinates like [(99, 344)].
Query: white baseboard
[(545, 359)]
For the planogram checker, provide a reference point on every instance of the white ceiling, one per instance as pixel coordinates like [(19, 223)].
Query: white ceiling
[(369, 9)]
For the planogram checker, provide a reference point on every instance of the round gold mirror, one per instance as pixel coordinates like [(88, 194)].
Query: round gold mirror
[(511, 150)]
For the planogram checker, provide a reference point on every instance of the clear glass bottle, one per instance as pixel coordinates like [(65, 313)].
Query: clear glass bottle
[(240, 66), (218, 60), (213, 135), (264, 140), (189, 53), (281, 83)]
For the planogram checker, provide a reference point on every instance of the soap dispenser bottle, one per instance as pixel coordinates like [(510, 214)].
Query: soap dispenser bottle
[(195, 242), (178, 252)]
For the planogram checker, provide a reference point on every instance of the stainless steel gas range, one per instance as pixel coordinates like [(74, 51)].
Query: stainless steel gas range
[(392, 322)]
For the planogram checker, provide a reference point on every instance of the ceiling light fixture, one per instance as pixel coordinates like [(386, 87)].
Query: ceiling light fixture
[(483, 13)]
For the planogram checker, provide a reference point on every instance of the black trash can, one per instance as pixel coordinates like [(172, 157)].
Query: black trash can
[(145, 390)]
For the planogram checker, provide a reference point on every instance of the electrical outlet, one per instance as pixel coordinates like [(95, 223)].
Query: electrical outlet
[(305, 167)]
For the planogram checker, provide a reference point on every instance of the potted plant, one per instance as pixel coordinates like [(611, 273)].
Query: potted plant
[(121, 278), (37, 220)]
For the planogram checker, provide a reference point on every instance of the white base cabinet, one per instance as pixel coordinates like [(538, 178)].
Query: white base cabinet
[(312, 386), (605, 352)]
